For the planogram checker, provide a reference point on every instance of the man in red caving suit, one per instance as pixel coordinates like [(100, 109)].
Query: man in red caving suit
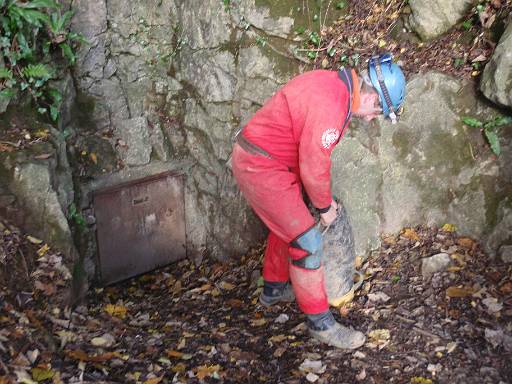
[(284, 149)]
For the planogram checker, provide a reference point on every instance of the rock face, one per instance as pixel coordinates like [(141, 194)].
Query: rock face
[(427, 169), (432, 18), (36, 187), (167, 83), (496, 83)]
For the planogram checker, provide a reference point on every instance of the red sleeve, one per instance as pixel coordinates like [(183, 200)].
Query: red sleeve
[(321, 133)]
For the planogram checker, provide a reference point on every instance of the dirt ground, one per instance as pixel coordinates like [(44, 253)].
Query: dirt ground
[(188, 324)]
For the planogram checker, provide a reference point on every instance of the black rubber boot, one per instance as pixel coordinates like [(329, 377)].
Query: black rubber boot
[(275, 292), (326, 329)]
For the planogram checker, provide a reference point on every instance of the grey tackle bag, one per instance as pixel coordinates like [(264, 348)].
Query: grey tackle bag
[(339, 260)]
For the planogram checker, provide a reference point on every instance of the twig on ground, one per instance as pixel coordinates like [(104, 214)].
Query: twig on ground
[(427, 333), (4, 367)]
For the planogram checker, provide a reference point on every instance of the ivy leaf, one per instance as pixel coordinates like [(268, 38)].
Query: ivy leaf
[(494, 141), (472, 122)]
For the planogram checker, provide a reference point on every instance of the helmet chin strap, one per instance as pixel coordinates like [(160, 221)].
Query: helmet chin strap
[(380, 77)]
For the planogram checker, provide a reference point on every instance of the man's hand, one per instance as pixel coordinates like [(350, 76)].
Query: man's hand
[(328, 217)]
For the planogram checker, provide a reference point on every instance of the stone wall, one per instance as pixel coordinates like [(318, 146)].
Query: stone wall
[(166, 84)]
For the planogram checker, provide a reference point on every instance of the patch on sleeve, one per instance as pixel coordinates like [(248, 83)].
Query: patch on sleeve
[(330, 137)]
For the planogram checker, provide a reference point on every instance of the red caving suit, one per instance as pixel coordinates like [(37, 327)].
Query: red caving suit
[(298, 128)]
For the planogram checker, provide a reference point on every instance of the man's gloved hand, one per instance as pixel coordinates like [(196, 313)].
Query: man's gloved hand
[(328, 217)]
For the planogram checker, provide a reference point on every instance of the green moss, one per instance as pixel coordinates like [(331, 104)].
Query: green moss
[(447, 153), (402, 143)]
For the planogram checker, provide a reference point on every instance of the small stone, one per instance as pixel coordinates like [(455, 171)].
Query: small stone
[(378, 297), (361, 375), (433, 264), (492, 305), (311, 377), (282, 318), (495, 338), (470, 354), (433, 368), (107, 340), (505, 253), (314, 366), (359, 355)]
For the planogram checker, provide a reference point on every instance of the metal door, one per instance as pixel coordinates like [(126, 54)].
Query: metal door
[(140, 226)]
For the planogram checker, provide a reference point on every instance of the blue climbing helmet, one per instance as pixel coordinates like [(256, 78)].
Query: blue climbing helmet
[(389, 81)]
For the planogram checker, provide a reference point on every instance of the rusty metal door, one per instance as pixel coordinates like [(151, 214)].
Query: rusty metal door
[(140, 226)]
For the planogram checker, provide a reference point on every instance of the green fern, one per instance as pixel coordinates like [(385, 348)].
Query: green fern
[(37, 71), (34, 4), (33, 33), (58, 23), (5, 73)]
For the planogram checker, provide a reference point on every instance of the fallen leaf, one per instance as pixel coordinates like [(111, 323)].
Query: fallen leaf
[(154, 380), (448, 228), (226, 286), (116, 310), (205, 371), (506, 288), (235, 303), (411, 234), (94, 158), (465, 242), (179, 368), (459, 292), (106, 340), (278, 338), (420, 380), (43, 156), (42, 374), (43, 250), (80, 355), (42, 133), (451, 347), (177, 354), (34, 240), (379, 335), (258, 322)]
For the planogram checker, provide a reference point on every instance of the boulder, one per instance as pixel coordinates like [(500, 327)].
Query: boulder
[(496, 82), (427, 169), (432, 18)]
